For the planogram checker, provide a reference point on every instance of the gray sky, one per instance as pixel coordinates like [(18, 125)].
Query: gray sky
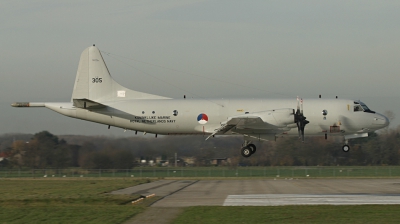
[(273, 48)]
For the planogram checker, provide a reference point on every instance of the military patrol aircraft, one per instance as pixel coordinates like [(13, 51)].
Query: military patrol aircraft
[(98, 98)]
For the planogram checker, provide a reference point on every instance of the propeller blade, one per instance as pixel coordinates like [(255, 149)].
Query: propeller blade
[(300, 120), (298, 128), (301, 106)]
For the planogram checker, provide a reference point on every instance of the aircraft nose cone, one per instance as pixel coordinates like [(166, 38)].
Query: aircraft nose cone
[(381, 120)]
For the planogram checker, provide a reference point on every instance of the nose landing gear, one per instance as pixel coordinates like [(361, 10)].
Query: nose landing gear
[(346, 146)]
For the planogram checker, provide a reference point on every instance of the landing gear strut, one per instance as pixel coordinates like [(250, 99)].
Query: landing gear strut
[(248, 149)]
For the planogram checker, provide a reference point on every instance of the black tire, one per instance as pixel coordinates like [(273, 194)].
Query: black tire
[(253, 148), (246, 152), (346, 148)]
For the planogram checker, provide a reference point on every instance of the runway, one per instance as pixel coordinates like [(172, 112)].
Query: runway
[(270, 192), (309, 199)]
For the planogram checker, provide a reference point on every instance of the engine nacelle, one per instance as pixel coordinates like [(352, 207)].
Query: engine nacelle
[(278, 118)]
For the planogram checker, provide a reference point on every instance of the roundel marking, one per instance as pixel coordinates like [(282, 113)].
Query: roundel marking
[(202, 118)]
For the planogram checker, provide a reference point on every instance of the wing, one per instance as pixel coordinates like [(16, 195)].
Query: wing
[(270, 121)]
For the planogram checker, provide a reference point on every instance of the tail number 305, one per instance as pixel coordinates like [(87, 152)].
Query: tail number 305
[(97, 80)]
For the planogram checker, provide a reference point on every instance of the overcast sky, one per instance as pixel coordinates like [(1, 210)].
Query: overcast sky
[(264, 49)]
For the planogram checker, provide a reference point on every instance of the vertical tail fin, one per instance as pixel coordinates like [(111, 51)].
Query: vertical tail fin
[(93, 81)]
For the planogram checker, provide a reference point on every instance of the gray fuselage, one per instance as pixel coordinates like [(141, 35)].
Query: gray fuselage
[(181, 116)]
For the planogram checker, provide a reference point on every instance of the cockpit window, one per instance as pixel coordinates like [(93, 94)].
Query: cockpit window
[(357, 107), (364, 107), (360, 106)]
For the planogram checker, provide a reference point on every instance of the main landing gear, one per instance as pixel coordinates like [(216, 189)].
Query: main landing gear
[(248, 149)]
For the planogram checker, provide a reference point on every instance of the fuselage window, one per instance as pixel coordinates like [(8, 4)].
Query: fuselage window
[(142, 112), (175, 112)]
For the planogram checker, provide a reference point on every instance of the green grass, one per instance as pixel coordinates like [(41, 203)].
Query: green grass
[(291, 214), (213, 172), (66, 200), (86, 200)]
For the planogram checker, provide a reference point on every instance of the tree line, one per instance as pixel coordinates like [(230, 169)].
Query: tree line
[(45, 150)]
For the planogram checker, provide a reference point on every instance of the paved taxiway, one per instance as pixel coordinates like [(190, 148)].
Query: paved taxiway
[(177, 194), (267, 192)]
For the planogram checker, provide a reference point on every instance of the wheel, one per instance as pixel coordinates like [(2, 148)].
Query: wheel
[(246, 151), (346, 148), (253, 148)]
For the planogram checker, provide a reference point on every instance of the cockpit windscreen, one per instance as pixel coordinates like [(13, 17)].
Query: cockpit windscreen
[(360, 106)]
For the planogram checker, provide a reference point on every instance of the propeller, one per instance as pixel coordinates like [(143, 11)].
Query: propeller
[(299, 119)]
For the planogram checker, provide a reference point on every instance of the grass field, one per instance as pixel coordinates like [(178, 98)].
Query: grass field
[(196, 172), (85, 200), (66, 200), (291, 214)]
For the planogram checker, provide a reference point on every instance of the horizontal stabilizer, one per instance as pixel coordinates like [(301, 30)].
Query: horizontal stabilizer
[(87, 104), (101, 108)]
